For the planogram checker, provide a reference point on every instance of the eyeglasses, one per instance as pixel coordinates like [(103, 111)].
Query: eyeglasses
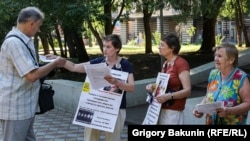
[(161, 45)]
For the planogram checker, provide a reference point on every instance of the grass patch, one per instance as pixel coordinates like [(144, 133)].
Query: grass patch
[(141, 50), (145, 65)]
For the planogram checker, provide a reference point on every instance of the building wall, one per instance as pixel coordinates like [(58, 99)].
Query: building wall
[(132, 28), (136, 27)]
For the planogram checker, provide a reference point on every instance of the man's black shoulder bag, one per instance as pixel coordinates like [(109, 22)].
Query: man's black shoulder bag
[(46, 91)]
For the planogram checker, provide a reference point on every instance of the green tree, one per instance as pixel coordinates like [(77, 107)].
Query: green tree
[(147, 10), (64, 19), (67, 15), (207, 10), (147, 7), (237, 10), (191, 31), (103, 15), (8, 12)]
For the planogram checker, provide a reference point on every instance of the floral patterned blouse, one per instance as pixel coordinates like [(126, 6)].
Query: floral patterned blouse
[(227, 91)]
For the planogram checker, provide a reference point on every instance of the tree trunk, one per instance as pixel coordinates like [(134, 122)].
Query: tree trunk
[(81, 52), (69, 42), (241, 19), (51, 43), (71, 45), (75, 44), (36, 44), (108, 17), (238, 28), (208, 35), (45, 44), (148, 34), (96, 34), (59, 39), (65, 49)]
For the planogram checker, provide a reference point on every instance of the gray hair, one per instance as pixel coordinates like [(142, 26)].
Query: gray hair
[(231, 51), (30, 13)]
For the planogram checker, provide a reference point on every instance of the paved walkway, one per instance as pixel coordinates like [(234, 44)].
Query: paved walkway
[(56, 125)]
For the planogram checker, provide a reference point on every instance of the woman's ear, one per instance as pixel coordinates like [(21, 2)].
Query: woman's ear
[(118, 50), (232, 60)]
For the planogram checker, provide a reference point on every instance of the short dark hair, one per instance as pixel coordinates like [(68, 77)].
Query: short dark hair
[(115, 40), (173, 42)]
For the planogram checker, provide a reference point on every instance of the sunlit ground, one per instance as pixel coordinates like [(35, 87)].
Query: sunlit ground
[(141, 50), (145, 66)]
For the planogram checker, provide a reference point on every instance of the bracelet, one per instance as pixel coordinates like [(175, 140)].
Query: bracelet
[(172, 96)]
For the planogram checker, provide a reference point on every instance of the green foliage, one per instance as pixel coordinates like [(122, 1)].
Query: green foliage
[(156, 38), (229, 9), (132, 42), (196, 8), (191, 31), (185, 8), (8, 13), (219, 39)]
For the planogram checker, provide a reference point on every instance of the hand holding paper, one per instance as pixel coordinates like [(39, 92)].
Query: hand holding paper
[(209, 108), (96, 74), (44, 59)]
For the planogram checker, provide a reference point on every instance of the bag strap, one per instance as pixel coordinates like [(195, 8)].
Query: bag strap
[(41, 81), (25, 45)]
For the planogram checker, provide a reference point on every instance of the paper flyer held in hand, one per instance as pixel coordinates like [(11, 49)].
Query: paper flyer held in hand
[(155, 107), (96, 73), (99, 108), (209, 108), (44, 59)]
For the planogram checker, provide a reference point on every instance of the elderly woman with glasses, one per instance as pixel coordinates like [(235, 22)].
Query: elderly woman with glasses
[(179, 86)]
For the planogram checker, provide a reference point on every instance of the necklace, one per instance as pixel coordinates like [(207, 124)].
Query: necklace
[(168, 64), (117, 64), (171, 62)]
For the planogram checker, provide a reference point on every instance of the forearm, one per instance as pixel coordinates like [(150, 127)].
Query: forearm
[(74, 67), (181, 94), (239, 109), (69, 66), (40, 72), (125, 86)]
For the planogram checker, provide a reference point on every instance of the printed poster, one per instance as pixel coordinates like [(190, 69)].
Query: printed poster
[(154, 107), (99, 109)]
